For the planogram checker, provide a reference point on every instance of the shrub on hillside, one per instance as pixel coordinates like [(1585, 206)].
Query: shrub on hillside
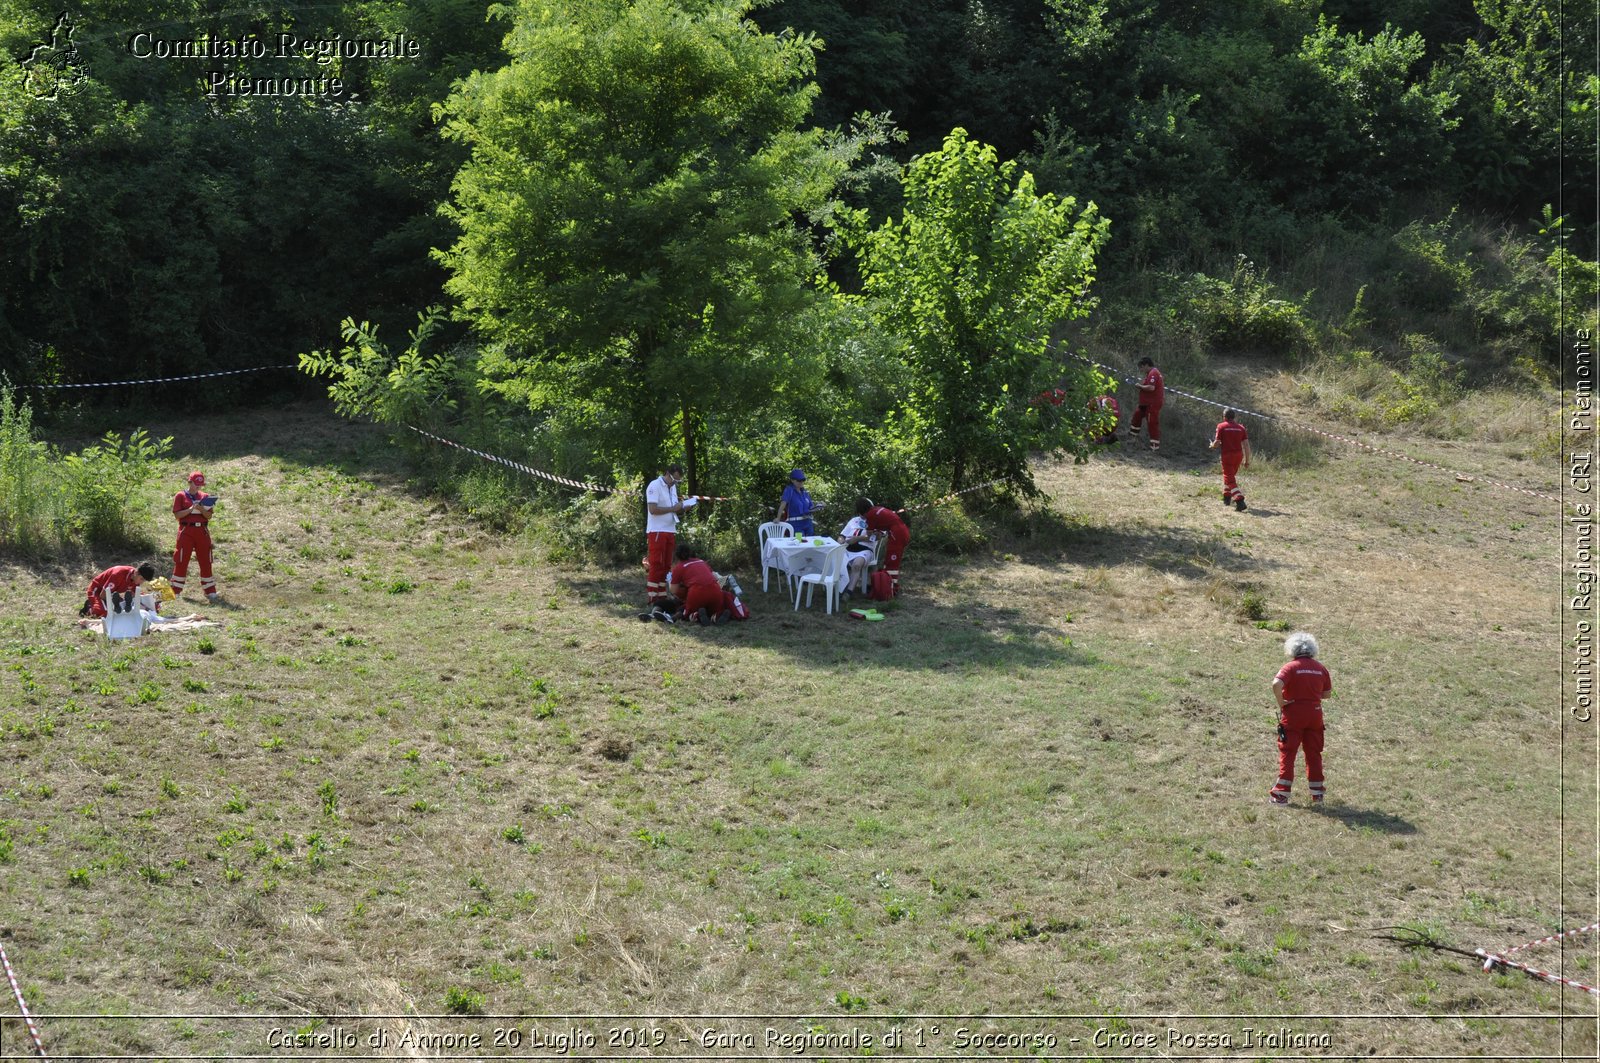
[(1245, 313), (50, 501)]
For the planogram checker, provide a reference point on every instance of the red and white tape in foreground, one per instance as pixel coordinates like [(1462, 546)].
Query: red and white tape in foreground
[(16, 990), (1492, 960), (1302, 427)]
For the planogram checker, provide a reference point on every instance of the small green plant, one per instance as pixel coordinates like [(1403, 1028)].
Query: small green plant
[(514, 834), (1253, 605), (849, 1001), (459, 1001), (330, 799), (206, 645), (78, 877)]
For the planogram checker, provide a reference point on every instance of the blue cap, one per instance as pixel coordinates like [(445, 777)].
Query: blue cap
[(797, 474)]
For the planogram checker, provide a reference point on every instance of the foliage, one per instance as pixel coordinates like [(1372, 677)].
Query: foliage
[(1244, 313), (628, 242), (972, 278), (50, 501)]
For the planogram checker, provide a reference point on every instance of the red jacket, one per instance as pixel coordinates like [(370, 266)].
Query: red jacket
[(119, 578), (180, 505), (884, 519)]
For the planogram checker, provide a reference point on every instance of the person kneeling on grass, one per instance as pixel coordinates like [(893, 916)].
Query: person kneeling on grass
[(1299, 688), (123, 581), (693, 582)]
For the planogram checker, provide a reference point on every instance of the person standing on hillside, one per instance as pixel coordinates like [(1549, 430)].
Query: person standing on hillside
[(1152, 393), (193, 508), (663, 510), (795, 507), (887, 521), (1235, 443), (1299, 688), (122, 581)]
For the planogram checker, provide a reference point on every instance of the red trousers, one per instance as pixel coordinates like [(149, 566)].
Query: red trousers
[(1230, 476), (657, 563), (1153, 413), (892, 555), (713, 599), (1290, 741), (197, 542)]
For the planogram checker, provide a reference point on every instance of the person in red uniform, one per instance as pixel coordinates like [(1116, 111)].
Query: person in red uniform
[(696, 585), (1299, 688), (119, 580), (1108, 415), (884, 519), (1235, 443), (193, 508), (1152, 393)]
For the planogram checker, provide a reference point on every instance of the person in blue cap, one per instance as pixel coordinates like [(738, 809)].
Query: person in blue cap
[(795, 506)]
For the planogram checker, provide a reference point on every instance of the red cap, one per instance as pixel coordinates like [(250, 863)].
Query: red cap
[(197, 478)]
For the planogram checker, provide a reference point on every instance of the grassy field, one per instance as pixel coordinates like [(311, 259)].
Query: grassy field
[(424, 777)]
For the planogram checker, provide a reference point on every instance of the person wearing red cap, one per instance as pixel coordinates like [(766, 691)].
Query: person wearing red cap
[(193, 508), (1235, 443), (883, 519), (1152, 394)]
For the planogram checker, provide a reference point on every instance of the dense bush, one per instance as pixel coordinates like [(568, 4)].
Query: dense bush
[(51, 502)]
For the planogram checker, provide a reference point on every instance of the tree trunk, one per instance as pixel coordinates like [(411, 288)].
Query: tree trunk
[(691, 461)]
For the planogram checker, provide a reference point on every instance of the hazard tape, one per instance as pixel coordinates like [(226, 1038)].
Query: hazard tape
[(166, 379), (582, 485), (1492, 960), (954, 495), (1300, 426), (1556, 937), (16, 990)]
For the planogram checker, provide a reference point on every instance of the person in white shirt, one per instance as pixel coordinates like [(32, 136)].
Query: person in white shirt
[(857, 539), (663, 511)]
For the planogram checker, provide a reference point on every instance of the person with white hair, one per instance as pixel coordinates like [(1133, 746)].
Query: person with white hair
[(1299, 688)]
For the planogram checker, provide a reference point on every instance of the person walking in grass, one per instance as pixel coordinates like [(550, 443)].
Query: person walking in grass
[(123, 581), (663, 510), (1234, 441), (1299, 688), (1152, 393), (193, 508)]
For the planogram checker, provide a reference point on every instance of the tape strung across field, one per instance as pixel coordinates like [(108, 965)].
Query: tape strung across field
[(586, 486), (166, 379), (1299, 426), (1492, 960), (16, 991)]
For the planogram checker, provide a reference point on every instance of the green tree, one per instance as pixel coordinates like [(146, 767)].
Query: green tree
[(628, 215), (973, 276)]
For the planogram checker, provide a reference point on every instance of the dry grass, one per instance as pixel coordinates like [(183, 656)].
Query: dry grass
[(1038, 788)]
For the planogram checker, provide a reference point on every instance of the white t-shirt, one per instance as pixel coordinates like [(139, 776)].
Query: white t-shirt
[(856, 526), (662, 495)]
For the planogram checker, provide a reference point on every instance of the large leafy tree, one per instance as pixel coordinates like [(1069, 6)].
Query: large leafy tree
[(629, 213), (973, 277)]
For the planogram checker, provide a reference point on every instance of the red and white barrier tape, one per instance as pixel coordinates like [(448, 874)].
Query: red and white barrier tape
[(16, 990), (954, 495), (1491, 961), (1556, 937), (165, 379), (582, 485), (1333, 435)]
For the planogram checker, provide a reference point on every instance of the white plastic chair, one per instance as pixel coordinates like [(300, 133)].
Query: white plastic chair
[(834, 566), (115, 625), (772, 529)]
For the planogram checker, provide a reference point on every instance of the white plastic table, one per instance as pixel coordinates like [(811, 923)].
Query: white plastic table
[(797, 556)]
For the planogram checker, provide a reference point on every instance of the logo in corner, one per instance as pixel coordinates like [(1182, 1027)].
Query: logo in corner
[(55, 64)]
